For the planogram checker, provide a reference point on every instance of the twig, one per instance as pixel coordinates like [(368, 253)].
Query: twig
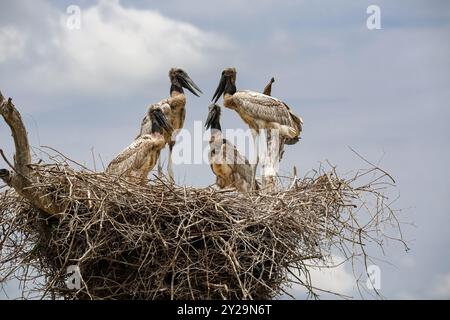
[(370, 163)]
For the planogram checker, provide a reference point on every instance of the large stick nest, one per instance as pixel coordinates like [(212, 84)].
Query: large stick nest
[(164, 241)]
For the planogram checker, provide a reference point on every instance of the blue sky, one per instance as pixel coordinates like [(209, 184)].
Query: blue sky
[(383, 92)]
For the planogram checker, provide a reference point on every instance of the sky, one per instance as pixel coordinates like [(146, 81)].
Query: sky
[(383, 92)]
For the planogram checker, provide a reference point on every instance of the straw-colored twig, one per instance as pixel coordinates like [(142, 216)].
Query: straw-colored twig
[(164, 241)]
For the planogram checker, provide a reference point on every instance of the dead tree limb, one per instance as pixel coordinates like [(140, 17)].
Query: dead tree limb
[(21, 178)]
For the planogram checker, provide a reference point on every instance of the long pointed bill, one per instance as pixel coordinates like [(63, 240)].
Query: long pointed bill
[(162, 120), (214, 113), (187, 83), (220, 89)]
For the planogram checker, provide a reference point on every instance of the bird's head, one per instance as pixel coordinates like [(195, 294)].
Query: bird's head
[(213, 120), (159, 121), (180, 78), (227, 83)]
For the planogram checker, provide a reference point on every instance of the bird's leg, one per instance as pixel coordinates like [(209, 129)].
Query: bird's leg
[(267, 162), (255, 166), (271, 159), (169, 162), (159, 167)]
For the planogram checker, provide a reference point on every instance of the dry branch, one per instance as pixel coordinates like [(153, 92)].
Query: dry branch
[(21, 178), (164, 241)]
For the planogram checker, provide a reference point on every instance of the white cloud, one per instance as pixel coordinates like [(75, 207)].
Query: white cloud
[(332, 277), (12, 44), (441, 290), (115, 46)]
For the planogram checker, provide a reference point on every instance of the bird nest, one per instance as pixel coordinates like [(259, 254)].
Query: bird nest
[(164, 241)]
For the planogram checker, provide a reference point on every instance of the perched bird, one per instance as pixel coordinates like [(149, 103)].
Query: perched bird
[(230, 167), (173, 108), (268, 89), (138, 159), (259, 111)]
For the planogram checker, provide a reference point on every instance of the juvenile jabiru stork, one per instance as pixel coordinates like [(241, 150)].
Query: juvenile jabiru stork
[(173, 108), (230, 167), (259, 111), (136, 161)]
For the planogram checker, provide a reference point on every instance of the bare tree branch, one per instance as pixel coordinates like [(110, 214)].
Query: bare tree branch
[(19, 133), (21, 179)]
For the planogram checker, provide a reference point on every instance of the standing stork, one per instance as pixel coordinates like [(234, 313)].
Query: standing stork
[(138, 159), (230, 167), (259, 111), (173, 108)]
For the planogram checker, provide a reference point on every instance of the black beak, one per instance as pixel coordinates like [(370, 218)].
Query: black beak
[(161, 119), (213, 115), (220, 89), (187, 83)]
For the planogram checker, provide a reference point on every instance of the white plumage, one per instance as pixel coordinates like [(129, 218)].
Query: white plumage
[(136, 161)]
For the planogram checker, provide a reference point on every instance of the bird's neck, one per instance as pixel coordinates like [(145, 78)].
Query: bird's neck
[(176, 90), (230, 88), (228, 101), (216, 126), (216, 136), (156, 128), (268, 89)]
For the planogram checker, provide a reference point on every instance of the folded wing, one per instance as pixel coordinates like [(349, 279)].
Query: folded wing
[(269, 110), (138, 159)]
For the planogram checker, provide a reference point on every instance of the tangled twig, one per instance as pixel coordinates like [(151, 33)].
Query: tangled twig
[(164, 241)]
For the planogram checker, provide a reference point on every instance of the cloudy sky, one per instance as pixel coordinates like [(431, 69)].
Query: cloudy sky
[(383, 92)]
